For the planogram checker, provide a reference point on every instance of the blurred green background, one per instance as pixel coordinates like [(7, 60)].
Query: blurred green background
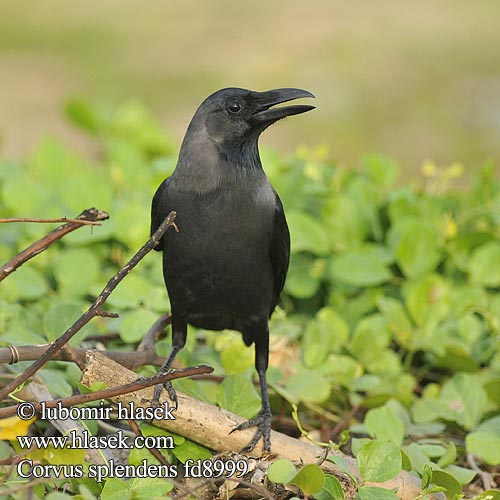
[(414, 80)]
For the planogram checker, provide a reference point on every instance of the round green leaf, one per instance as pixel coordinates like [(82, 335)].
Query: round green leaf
[(332, 489), (484, 445), (237, 394), (416, 244), (307, 234), (367, 266), (325, 334), (375, 493), (465, 398), (302, 281), (483, 265), (379, 461), (281, 471), (384, 424), (59, 318), (135, 324), (26, 283), (308, 385), (75, 271), (452, 487), (310, 479)]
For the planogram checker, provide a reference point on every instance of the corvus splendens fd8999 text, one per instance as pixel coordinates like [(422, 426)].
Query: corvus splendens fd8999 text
[(226, 266)]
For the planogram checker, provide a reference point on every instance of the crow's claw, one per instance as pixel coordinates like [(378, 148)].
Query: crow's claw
[(171, 394), (263, 423)]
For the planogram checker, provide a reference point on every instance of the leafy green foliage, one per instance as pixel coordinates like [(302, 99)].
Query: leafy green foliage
[(391, 304)]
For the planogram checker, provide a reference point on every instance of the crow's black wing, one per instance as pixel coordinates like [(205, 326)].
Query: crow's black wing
[(159, 210), (280, 250)]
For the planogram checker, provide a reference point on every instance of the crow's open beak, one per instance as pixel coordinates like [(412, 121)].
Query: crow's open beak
[(265, 100)]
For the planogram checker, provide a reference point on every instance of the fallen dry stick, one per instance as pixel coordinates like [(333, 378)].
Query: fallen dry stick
[(210, 426)]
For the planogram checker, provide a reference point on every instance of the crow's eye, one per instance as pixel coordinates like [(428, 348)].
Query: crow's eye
[(233, 106)]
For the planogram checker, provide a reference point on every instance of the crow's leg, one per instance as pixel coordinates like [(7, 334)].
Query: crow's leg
[(263, 420), (179, 333)]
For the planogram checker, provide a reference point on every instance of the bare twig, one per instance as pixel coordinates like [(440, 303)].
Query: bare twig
[(153, 334), (72, 355), (80, 222), (93, 310), (131, 360), (136, 385), (91, 216), (486, 478)]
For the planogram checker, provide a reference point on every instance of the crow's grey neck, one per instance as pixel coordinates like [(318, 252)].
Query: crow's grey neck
[(204, 166)]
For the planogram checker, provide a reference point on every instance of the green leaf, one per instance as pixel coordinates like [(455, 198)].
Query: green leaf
[(485, 446), (346, 228), (75, 271), (375, 493), (302, 281), (427, 299), (56, 495), (326, 333), (135, 324), (236, 357), (367, 266), (91, 118), (385, 425), (447, 481), (310, 479), (379, 461), (492, 426), (307, 234), (449, 456), (416, 246), (190, 449), (116, 489), (26, 283), (281, 471), (381, 169), (488, 495), (146, 488), (332, 489), (483, 265), (237, 394), (398, 321), (465, 398), (56, 382), (59, 318), (309, 386), (461, 474)]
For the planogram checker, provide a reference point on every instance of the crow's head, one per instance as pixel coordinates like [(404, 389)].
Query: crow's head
[(233, 117)]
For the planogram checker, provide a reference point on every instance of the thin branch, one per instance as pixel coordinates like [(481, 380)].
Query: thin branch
[(131, 360), (80, 222), (153, 334), (91, 216), (134, 386), (486, 478), (93, 310)]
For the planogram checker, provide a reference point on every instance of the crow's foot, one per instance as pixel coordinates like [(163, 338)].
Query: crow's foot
[(263, 423), (171, 394)]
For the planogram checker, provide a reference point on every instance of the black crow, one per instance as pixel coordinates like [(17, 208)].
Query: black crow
[(226, 266)]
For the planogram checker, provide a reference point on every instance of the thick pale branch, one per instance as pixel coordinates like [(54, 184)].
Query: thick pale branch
[(131, 360), (209, 425), (93, 310), (90, 216)]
